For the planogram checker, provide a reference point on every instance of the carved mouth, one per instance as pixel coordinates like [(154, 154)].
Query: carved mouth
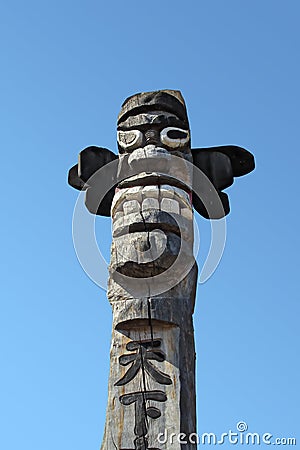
[(157, 196), (140, 198), (150, 207), (154, 179)]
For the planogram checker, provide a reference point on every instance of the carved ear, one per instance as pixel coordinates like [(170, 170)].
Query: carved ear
[(98, 204), (220, 165), (74, 180), (242, 161), (215, 211), (92, 159), (215, 165), (100, 188)]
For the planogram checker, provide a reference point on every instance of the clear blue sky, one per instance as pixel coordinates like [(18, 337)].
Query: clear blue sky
[(66, 67)]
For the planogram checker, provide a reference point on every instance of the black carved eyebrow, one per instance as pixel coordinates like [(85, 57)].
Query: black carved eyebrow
[(161, 121)]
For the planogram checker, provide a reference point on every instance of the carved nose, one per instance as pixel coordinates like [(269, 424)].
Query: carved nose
[(152, 137)]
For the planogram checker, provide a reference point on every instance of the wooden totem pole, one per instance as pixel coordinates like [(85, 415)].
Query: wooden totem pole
[(149, 191)]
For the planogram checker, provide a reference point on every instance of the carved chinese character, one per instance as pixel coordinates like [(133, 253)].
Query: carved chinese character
[(144, 352), (141, 412)]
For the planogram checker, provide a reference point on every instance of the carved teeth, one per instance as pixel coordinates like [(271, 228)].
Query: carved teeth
[(118, 215), (187, 213), (133, 193), (172, 191), (167, 191), (150, 191), (116, 205), (131, 207), (141, 198), (182, 195), (170, 205), (150, 203)]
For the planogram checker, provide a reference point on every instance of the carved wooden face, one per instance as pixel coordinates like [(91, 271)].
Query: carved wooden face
[(154, 191)]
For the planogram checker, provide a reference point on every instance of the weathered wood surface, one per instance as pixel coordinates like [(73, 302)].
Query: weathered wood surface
[(152, 371), (149, 190)]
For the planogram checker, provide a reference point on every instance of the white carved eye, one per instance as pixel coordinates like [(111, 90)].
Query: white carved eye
[(174, 137), (130, 139)]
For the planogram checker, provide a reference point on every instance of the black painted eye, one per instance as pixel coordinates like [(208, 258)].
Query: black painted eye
[(130, 139), (174, 137)]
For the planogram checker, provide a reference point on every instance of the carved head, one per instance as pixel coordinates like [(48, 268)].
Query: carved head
[(153, 127), (154, 119)]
